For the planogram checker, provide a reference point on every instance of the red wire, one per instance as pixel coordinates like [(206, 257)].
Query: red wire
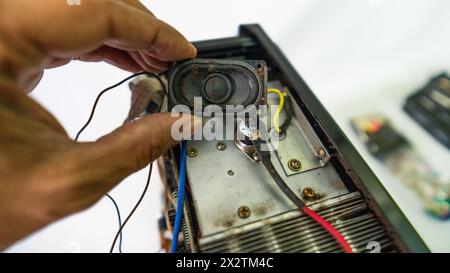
[(336, 234)]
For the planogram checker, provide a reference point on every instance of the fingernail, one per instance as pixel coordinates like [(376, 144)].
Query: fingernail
[(194, 50), (190, 126)]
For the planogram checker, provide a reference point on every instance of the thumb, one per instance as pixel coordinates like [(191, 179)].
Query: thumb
[(131, 147)]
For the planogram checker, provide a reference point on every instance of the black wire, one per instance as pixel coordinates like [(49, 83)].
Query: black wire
[(119, 218), (121, 226), (110, 88), (288, 114), (134, 208), (264, 156)]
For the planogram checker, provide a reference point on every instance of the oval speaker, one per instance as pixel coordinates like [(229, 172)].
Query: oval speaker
[(218, 82)]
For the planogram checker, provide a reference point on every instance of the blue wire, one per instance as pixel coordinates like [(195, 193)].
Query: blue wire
[(120, 221), (180, 202)]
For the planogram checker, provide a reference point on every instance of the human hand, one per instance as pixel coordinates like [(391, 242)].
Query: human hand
[(43, 34), (44, 175)]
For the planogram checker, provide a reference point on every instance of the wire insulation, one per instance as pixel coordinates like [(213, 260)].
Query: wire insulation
[(266, 161), (276, 117), (119, 218), (121, 226), (97, 99), (147, 184), (180, 202), (102, 93), (264, 157), (326, 225), (288, 114)]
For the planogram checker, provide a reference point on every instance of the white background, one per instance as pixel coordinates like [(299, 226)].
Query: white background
[(357, 56)]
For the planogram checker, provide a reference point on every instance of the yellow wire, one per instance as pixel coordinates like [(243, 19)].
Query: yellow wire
[(276, 117)]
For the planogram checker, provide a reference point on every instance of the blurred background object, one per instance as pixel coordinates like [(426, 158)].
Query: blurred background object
[(430, 107), (392, 149), (357, 56)]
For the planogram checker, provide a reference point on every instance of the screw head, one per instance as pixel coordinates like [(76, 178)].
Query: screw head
[(294, 165), (321, 153), (192, 152), (309, 193), (221, 146), (244, 212), (230, 172)]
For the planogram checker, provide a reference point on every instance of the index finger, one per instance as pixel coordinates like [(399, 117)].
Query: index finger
[(115, 23)]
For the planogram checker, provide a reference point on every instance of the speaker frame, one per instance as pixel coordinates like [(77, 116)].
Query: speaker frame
[(258, 68)]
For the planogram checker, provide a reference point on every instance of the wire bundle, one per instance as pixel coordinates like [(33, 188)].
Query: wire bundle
[(121, 226), (266, 161)]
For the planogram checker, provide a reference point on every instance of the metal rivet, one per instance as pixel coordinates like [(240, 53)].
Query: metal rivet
[(260, 66), (295, 165), (230, 172), (309, 194), (221, 146), (244, 212), (192, 152)]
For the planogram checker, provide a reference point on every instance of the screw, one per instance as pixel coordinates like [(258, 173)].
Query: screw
[(192, 152), (256, 158), (230, 172), (244, 212), (295, 165), (221, 146), (309, 193), (321, 153)]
